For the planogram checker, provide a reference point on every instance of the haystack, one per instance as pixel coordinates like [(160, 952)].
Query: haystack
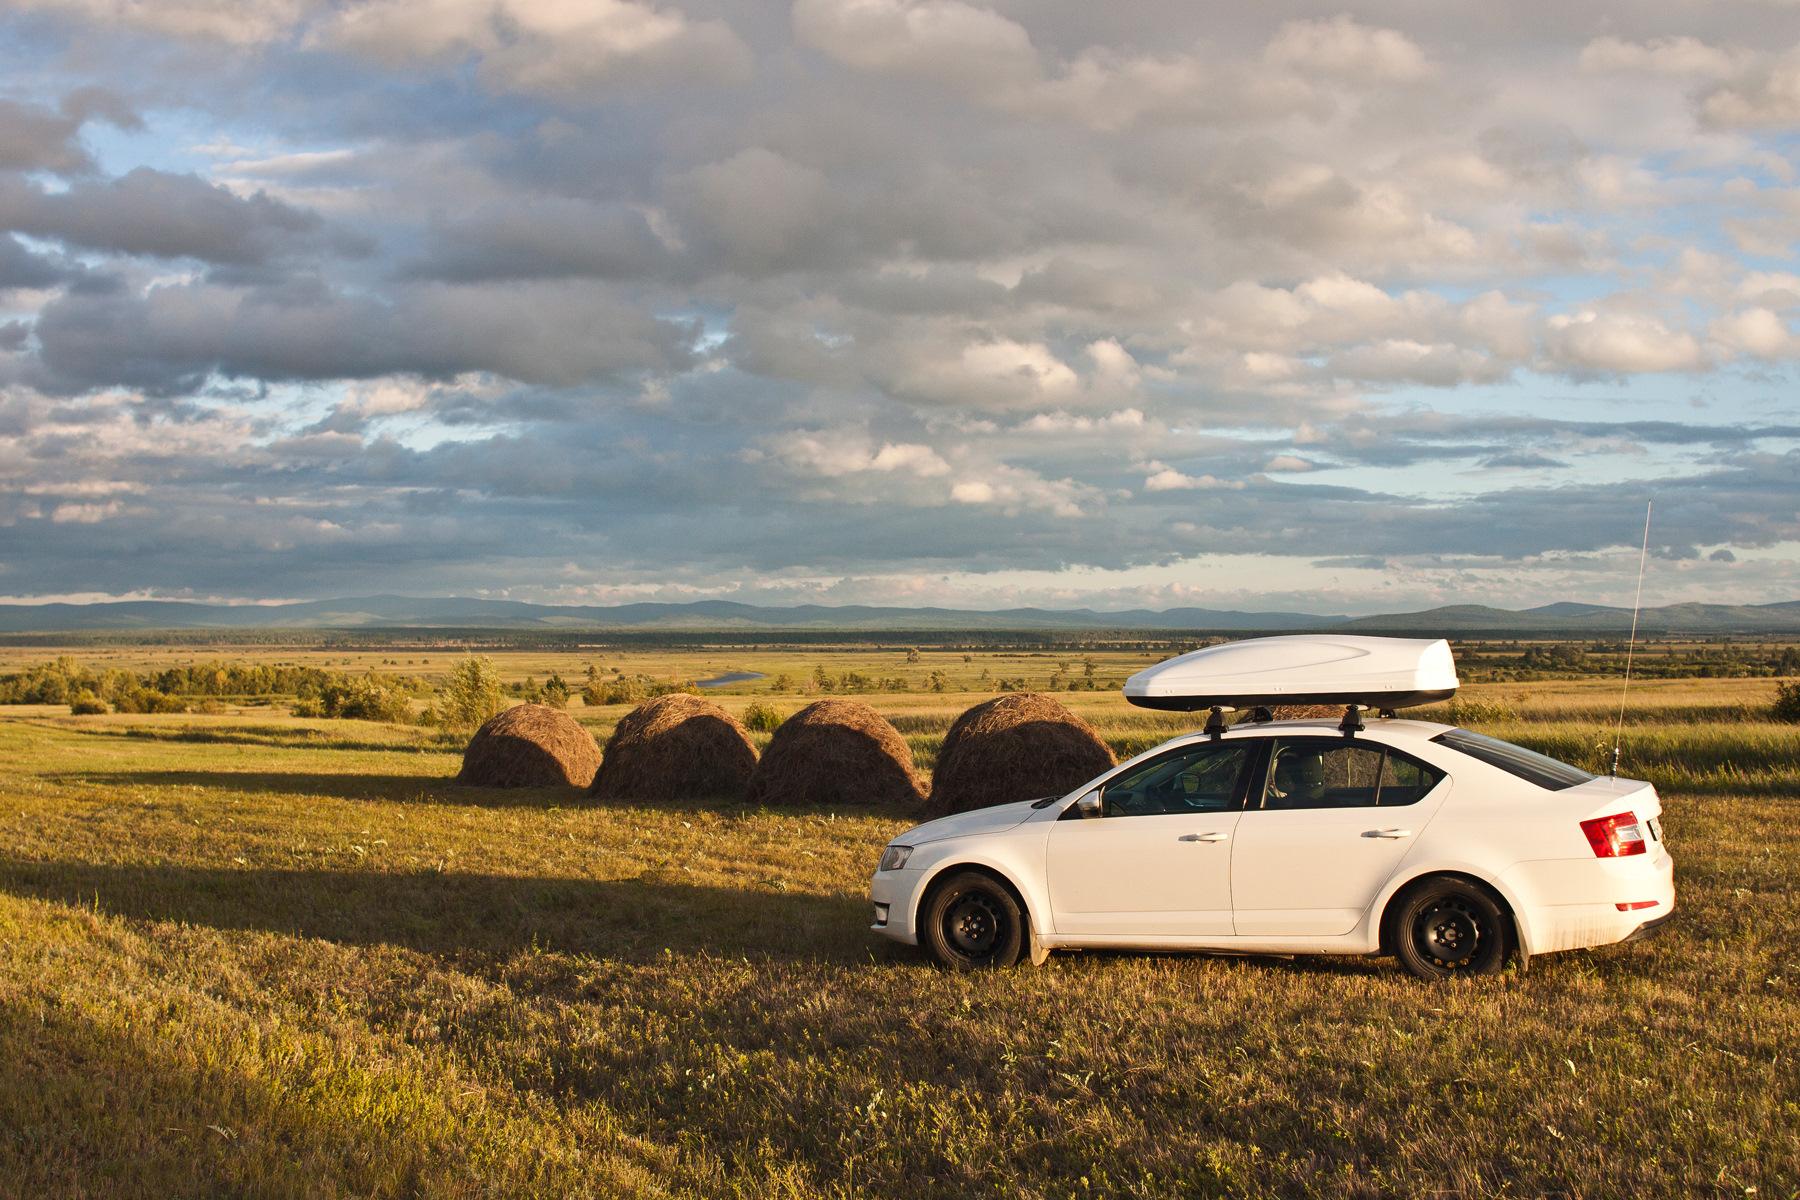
[(836, 753), (1304, 712), (1018, 747), (676, 747), (532, 745)]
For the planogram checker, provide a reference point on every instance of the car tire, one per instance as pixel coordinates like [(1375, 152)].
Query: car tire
[(1448, 928), (971, 921)]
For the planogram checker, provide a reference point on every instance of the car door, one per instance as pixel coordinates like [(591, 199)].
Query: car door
[(1328, 826), (1157, 862)]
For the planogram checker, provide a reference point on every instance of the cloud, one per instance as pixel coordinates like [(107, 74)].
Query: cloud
[(238, 22), (174, 337), (150, 212), (1765, 96), (35, 138), (863, 292), (1343, 50), (550, 47), (1168, 479), (1590, 340), (1679, 55)]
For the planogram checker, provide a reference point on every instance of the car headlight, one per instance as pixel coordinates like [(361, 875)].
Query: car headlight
[(894, 857)]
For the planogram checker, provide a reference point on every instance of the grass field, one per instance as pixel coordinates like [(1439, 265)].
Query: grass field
[(252, 955)]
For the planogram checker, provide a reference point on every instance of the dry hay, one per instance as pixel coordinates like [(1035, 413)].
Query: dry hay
[(1020, 746), (675, 747), (1304, 712), (836, 753), (531, 745)]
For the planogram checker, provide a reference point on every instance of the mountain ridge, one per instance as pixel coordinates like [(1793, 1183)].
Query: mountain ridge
[(404, 612)]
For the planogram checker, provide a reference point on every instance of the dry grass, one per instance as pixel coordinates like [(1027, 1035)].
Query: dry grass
[(285, 959)]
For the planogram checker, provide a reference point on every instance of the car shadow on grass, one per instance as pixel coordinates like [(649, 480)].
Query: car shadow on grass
[(348, 785), (456, 914)]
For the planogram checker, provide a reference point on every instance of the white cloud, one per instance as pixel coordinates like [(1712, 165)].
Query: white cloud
[(1680, 55), (1164, 478), (1759, 332), (1348, 52), (544, 46), (1287, 462), (1629, 342)]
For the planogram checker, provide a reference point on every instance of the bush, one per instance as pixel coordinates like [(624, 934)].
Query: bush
[(370, 698), (633, 690), (139, 700), (1787, 702), (85, 704), (760, 718), (474, 694)]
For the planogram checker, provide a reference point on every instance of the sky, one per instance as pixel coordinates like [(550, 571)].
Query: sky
[(1283, 306)]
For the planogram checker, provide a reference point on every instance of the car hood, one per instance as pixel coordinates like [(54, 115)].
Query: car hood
[(981, 820)]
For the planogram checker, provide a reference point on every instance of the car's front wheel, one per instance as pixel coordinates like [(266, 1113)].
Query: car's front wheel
[(971, 921), (1448, 928)]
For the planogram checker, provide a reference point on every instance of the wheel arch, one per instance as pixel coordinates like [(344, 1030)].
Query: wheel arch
[(1397, 892), (957, 867)]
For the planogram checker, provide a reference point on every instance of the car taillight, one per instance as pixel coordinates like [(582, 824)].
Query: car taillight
[(1616, 836)]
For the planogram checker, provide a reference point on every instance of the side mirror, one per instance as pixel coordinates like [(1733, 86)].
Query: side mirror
[(1089, 804)]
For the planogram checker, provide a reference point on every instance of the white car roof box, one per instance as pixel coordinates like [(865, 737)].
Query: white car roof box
[(1375, 672)]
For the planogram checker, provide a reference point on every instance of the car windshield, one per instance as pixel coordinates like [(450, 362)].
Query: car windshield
[(1529, 765)]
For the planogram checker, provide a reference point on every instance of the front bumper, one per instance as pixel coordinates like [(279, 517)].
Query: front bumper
[(896, 894)]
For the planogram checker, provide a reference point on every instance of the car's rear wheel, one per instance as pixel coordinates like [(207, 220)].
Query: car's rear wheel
[(1448, 928), (972, 921)]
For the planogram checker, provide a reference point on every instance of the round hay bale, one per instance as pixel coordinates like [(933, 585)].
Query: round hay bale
[(531, 745), (1018, 747), (675, 747), (1304, 712), (836, 753)]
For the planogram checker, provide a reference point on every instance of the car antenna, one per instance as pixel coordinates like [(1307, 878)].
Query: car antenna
[(1643, 555)]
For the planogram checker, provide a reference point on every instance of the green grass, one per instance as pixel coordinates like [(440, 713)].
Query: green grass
[(237, 958)]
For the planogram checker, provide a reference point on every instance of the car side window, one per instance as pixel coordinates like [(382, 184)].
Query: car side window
[(1323, 773), (1405, 780), (1338, 773), (1201, 778)]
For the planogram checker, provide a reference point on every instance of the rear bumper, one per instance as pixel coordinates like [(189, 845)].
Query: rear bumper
[(1569, 904)]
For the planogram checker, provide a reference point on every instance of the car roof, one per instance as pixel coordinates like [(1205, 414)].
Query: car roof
[(1387, 729)]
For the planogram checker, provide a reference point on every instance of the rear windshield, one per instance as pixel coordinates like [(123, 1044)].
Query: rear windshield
[(1540, 769)]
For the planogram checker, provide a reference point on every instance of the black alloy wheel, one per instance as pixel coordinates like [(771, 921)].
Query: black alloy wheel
[(1448, 928), (971, 921)]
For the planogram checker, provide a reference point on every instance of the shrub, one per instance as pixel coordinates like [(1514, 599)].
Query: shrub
[(85, 704), (1787, 702), (555, 692), (760, 718), (474, 695)]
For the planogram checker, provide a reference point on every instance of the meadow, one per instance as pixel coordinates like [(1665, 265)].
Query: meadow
[(250, 954)]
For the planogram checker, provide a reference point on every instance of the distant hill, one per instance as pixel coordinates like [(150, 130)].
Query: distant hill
[(1573, 618), (405, 612)]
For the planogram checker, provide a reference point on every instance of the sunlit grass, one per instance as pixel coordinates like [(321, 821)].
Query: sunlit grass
[(260, 956)]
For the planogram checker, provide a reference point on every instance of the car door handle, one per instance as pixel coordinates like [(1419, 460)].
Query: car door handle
[(1388, 833), (1204, 837)]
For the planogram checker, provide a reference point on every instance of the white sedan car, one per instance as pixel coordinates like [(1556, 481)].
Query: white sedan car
[(1451, 850)]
